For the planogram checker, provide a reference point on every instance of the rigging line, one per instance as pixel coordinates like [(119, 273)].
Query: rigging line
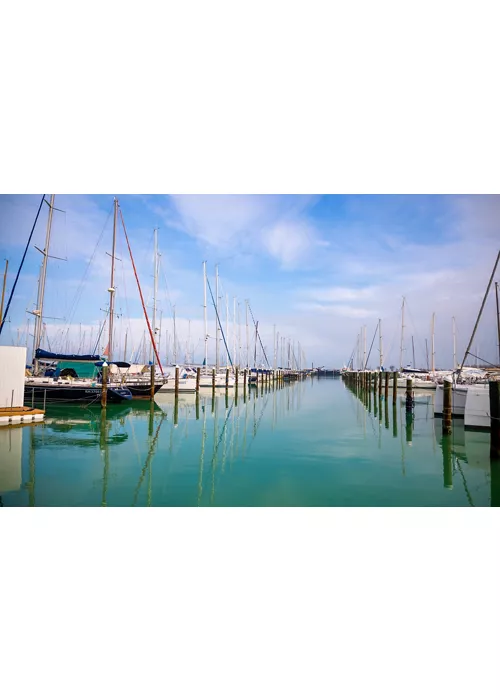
[(258, 335), (419, 342), (21, 266), (140, 293), (371, 346), (79, 291), (220, 325), (148, 459), (481, 359)]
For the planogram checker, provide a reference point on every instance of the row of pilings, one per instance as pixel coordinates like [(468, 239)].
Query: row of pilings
[(378, 384)]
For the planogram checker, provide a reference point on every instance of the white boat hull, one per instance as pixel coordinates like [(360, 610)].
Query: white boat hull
[(185, 386), (458, 400), (477, 407)]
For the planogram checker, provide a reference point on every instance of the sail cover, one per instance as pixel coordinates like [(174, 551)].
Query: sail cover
[(45, 355)]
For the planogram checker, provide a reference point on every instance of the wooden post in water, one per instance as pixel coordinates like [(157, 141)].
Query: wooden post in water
[(236, 379), (176, 409), (104, 386), (495, 419), (176, 385), (447, 463), (198, 371), (386, 388), (394, 388), (213, 381), (197, 403), (380, 382), (152, 376), (375, 382), (447, 407), (409, 397), (227, 380)]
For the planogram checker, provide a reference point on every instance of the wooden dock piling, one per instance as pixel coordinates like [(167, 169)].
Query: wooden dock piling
[(409, 397), (176, 386), (104, 386), (198, 371), (447, 407), (394, 388), (227, 380), (213, 381), (152, 377), (386, 387)]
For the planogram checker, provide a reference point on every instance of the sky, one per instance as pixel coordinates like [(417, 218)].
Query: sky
[(316, 270)]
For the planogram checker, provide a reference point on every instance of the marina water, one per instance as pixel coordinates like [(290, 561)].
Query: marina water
[(310, 443)]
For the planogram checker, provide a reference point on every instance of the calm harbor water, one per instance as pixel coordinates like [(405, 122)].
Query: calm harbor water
[(312, 443)]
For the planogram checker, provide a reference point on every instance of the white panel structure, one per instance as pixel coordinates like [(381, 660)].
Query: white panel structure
[(12, 373)]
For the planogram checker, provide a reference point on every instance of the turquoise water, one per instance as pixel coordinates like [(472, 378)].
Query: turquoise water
[(312, 443)]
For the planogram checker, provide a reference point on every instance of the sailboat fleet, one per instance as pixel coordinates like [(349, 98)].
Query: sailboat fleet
[(63, 377), (470, 385)]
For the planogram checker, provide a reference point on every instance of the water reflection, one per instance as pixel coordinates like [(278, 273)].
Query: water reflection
[(231, 448)]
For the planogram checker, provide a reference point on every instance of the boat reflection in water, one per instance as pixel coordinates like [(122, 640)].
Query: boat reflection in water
[(313, 442)]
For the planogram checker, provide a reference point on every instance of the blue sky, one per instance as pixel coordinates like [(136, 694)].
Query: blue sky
[(318, 267)]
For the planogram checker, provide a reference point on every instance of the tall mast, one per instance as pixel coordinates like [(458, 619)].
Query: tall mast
[(3, 292), (175, 340), (455, 344), (125, 350), (227, 331), (364, 347), (402, 334), (498, 321), (38, 313), (235, 328), (216, 318), (248, 340), (274, 346), (205, 310), (381, 358), (432, 343), (111, 289), (155, 292), (480, 311)]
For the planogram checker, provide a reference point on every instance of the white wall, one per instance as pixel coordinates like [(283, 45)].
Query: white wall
[(12, 373)]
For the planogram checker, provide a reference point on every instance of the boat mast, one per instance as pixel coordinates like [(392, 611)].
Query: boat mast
[(498, 321), (380, 343), (227, 331), (402, 334), (364, 347), (248, 339), (454, 344), (3, 293), (111, 289), (38, 313), (155, 292), (216, 318), (175, 340), (433, 353), (480, 313), (205, 310), (235, 333), (274, 346)]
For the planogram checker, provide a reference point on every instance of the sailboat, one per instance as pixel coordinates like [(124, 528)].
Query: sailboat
[(470, 391), (59, 384)]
